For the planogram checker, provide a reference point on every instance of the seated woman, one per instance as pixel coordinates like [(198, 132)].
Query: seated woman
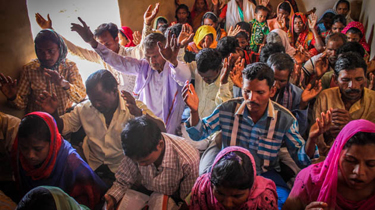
[(285, 13), (48, 198), (346, 178), (233, 184), (200, 7), (182, 15), (211, 19), (301, 37), (159, 21), (205, 37), (325, 22), (342, 7), (279, 36), (125, 35), (355, 32), (338, 24), (40, 156)]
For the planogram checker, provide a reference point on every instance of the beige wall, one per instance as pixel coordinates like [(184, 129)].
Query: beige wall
[(16, 43), (367, 17)]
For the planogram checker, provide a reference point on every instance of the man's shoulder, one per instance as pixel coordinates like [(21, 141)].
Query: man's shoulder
[(32, 65), (328, 92), (283, 112), (182, 148), (231, 104)]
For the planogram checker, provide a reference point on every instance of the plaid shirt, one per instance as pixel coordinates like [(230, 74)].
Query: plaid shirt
[(33, 82), (276, 128), (175, 176)]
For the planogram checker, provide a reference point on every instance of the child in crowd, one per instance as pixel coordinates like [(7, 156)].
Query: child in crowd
[(338, 24), (243, 41), (259, 28)]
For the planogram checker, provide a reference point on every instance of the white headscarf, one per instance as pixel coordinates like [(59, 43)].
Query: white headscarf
[(285, 41), (233, 15), (348, 18)]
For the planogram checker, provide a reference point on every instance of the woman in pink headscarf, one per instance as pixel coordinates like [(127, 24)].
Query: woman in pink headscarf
[(355, 31), (233, 184), (346, 178), (126, 36)]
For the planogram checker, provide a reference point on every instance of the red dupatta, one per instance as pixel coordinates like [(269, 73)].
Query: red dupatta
[(46, 168), (129, 35)]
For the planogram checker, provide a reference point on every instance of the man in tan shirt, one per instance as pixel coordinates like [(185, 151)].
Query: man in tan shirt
[(351, 100)]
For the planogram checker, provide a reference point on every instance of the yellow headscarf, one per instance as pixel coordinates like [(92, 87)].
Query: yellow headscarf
[(202, 32)]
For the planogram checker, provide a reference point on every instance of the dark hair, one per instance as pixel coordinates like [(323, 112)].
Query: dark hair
[(281, 61), (352, 47), (259, 71), (211, 16), (360, 138), (245, 26), (343, 1), (110, 27), (140, 137), (163, 28), (122, 33), (336, 37), (38, 198), (227, 45), (285, 6), (242, 34), (234, 170), (350, 61), (339, 19), (269, 49), (208, 59), (175, 29), (104, 77), (47, 35), (185, 7), (161, 19), (35, 126), (152, 39), (261, 7), (355, 30)]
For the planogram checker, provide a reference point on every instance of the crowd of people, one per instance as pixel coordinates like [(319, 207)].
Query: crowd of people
[(229, 106)]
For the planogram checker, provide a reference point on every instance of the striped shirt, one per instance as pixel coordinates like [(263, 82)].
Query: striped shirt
[(176, 174), (277, 127)]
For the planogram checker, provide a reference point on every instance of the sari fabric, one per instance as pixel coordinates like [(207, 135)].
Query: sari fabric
[(348, 18), (233, 13), (305, 39), (359, 26), (285, 41), (201, 33), (129, 35), (62, 168), (318, 182), (196, 17), (262, 194)]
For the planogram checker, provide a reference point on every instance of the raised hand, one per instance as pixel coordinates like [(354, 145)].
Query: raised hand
[(137, 37), (264, 2), (215, 2), (312, 21), (186, 36), (43, 23), (226, 70), (321, 125), (317, 205), (85, 32), (56, 78), (149, 15), (8, 86), (281, 22), (310, 93), (110, 202), (340, 117), (131, 104), (235, 31), (48, 102), (371, 85), (190, 97), (236, 73), (170, 51), (321, 65)]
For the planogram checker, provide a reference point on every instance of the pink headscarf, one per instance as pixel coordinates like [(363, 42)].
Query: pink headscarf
[(129, 35), (318, 182), (202, 196), (359, 26)]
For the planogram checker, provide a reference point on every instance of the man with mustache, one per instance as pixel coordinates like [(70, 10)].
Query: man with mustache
[(351, 100), (324, 62), (257, 124)]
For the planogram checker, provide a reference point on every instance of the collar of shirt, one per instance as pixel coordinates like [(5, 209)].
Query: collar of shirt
[(170, 158), (243, 110), (357, 105)]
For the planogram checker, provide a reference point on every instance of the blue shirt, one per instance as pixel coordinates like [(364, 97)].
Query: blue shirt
[(277, 127)]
